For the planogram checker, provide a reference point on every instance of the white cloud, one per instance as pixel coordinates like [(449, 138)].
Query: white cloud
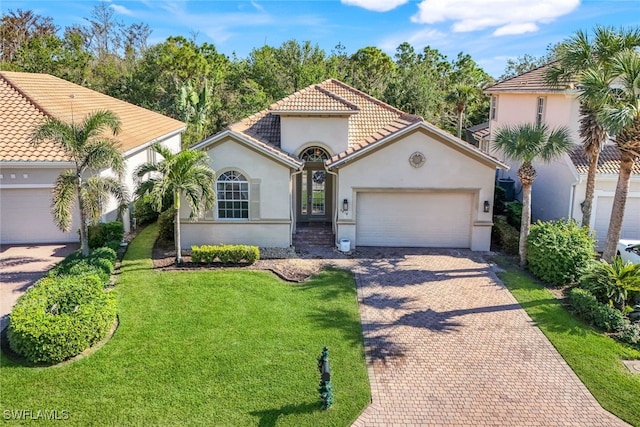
[(375, 5), (121, 9), (257, 6), (417, 39), (508, 16)]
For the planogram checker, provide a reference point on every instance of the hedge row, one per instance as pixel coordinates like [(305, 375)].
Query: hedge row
[(65, 312), (226, 254), (603, 316), (506, 236), (60, 317)]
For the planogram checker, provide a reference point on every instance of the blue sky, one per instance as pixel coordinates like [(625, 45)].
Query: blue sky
[(491, 31)]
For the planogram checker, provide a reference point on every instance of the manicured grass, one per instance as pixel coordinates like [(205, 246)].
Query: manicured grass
[(594, 357), (202, 347)]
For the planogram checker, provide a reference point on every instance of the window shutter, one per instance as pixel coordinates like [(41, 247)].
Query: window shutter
[(254, 199)]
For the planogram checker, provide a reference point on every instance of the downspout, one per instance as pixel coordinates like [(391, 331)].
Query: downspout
[(334, 224), (292, 228), (572, 197)]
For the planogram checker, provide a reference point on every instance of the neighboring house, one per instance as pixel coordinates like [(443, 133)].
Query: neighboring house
[(559, 189), (28, 172), (334, 155)]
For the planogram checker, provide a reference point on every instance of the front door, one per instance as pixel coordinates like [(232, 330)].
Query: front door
[(314, 190)]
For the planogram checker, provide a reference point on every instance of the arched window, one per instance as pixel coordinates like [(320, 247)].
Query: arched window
[(314, 154), (233, 196)]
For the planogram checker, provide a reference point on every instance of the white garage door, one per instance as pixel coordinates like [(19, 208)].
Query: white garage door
[(630, 223), (25, 217), (414, 219)]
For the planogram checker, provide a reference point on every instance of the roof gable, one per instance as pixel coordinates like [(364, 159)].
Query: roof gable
[(28, 98)]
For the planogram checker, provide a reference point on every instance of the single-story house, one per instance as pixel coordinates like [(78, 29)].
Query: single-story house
[(559, 188), (28, 172), (334, 155)]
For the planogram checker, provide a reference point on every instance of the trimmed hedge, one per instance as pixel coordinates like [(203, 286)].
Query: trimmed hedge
[(603, 316), (60, 317), (165, 226), (506, 236), (558, 250), (226, 254), (100, 262)]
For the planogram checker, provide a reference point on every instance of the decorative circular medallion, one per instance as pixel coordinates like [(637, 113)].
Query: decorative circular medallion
[(319, 177), (417, 159)]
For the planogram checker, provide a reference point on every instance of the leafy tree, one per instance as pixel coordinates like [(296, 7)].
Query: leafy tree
[(90, 150), (462, 95), (618, 89), (371, 70), (185, 174), (576, 56), (20, 26), (527, 62), (302, 64), (527, 143)]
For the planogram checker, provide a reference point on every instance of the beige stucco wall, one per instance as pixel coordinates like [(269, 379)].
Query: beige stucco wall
[(272, 227), (328, 132), (445, 169)]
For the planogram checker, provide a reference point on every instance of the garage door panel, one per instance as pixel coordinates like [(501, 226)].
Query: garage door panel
[(630, 223), (25, 217), (414, 219)]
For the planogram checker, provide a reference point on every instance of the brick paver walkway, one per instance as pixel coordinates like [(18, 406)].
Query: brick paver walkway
[(447, 344)]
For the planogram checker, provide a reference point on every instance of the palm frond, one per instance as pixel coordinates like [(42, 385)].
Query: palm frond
[(63, 199), (103, 153)]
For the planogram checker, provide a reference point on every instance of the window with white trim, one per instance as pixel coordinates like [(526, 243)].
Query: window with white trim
[(494, 107), (233, 196), (540, 111)]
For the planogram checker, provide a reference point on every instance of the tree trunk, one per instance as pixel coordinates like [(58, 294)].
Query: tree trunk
[(591, 186), (176, 226), (84, 229), (619, 203), (525, 223), (460, 118)]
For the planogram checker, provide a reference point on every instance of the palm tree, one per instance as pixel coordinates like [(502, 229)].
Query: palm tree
[(527, 143), (460, 96), (90, 150), (185, 174), (575, 57), (618, 89)]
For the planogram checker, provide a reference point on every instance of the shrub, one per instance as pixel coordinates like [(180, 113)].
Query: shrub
[(227, 254), (165, 225), (103, 232), (558, 251), (631, 334), (100, 262), (143, 210), (60, 317), (104, 253), (506, 236), (499, 195), (586, 306), (514, 213), (610, 282)]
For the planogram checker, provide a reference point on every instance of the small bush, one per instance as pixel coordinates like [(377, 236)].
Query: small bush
[(499, 196), (104, 253), (103, 232), (603, 316), (100, 262), (506, 236), (611, 282), (630, 334), (557, 251), (60, 317), (165, 225), (143, 210), (514, 213), (226, 254)]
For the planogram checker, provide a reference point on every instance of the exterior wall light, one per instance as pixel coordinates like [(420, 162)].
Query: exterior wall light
[(486, 206), (345, 205)]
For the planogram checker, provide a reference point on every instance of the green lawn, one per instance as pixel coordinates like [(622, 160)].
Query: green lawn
[(595, 358), (200, 347)]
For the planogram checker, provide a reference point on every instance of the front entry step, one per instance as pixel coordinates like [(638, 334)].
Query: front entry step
[(319, 234)]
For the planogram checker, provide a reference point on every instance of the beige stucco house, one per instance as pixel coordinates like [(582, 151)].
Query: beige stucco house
[(330, 154), (560, 186), (27, 172)]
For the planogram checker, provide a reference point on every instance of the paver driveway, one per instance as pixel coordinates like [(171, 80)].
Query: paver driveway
[(447, 344), (21, 266)]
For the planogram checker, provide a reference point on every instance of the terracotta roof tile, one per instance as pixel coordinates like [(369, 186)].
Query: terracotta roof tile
[(531, 81), (26, 99), (608, 162), (370, 120)]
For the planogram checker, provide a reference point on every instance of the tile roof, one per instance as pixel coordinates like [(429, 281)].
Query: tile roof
[(480, 131), (370, 120), (608, 163), (531, 81), (28, 98)]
